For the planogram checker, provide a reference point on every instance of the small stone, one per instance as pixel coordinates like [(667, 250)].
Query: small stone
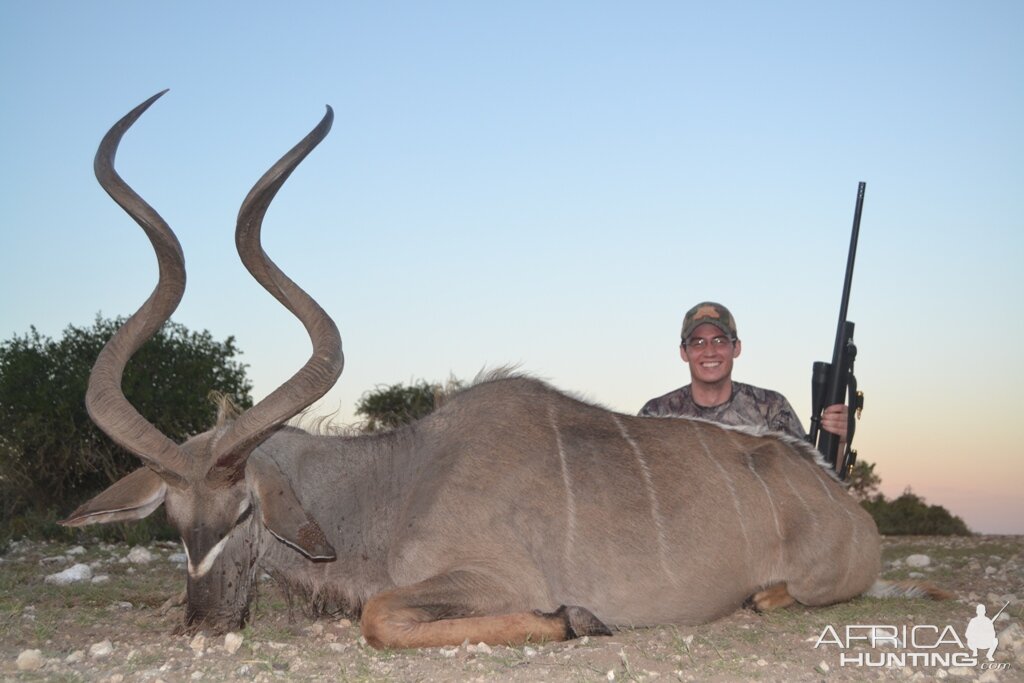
[(100, 578), (177, 558), (30, 660), (198, 644), (77, 550), (961, 671), (116, 678), (101, 649), (448, 653), (336, 647), (483, 648), (941, 674), (232, 642), (988, 677), (823, 666), (139, 555), (610, 675), (762, 662), (918, 561), (529, 651), (74, 574), (343, 623), (75, 657), (989, 571)]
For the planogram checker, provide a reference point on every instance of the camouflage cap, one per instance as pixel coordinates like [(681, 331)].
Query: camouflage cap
[(711, 313)]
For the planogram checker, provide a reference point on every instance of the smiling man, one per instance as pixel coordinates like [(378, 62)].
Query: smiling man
[(709, 345)]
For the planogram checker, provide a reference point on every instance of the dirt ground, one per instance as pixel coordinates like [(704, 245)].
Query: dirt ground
[(113, 630)]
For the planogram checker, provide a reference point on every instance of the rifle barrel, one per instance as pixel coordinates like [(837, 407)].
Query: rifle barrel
[(835, 394)]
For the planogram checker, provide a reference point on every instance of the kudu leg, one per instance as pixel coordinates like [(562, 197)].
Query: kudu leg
[(773, 597), (443, 611)]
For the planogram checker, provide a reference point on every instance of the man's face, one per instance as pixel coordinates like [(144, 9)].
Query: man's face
[(710, 362)]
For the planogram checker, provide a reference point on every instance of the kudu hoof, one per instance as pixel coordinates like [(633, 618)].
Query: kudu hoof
[(579, 621)]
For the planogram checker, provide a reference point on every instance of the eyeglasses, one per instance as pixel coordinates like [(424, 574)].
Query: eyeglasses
[(700, 343)]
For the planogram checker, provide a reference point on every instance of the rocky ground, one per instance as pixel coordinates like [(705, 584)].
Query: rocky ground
[(93, 613)]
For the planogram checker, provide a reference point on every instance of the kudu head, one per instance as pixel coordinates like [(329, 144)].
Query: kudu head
[(215, 496)]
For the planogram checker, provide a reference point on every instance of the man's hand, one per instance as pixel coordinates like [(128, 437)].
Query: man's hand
[(834, 420)]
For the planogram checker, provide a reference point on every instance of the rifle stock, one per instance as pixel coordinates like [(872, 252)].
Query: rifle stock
[(834, 382)]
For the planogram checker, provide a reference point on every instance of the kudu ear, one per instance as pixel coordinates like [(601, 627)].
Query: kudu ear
[(283, 514), (131, 497)]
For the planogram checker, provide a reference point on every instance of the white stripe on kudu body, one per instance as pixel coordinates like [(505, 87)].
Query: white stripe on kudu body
[(570, 500), (698, 431), (652, 498)]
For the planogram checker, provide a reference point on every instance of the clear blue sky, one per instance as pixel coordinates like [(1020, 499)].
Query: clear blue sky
[(553, 184)]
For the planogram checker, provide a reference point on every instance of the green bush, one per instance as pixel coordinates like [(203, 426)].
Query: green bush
[(910, 515), (387, 407), (52, 457)]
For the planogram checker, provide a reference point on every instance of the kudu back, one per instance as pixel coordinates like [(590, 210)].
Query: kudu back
[(512, 513)]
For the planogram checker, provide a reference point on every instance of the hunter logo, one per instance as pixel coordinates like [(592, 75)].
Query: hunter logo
[(916, 645), (981, 632)]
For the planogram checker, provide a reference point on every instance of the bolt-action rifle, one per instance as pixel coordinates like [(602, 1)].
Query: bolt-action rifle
[(832, 383)]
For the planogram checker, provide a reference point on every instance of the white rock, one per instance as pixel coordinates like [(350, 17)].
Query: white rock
[(139, 555), (100, 578), (449, 652), (483, 648), (988, 677), (77, 550), (989, 571), (75, 657), (30, 660), (198, 644), (961, 671), (101, 649), (177, 558), (79, 572), (610, 675), (823, 667), (529, 651), (918, 561), (232, 642), (941, 674)]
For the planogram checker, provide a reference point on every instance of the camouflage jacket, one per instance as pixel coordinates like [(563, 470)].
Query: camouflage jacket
[(748, 406)]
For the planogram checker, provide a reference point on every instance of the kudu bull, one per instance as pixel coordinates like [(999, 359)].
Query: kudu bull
[(511, 513)]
